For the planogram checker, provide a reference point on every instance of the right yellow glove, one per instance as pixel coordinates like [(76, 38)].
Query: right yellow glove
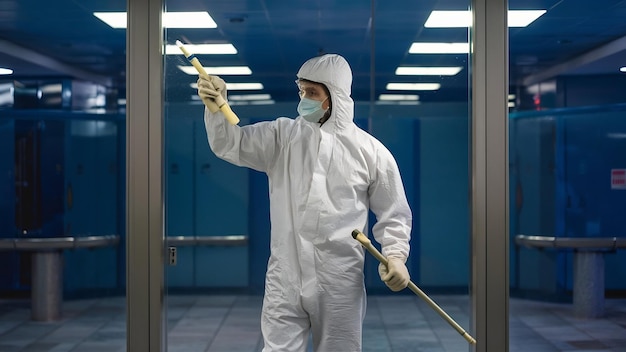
[(212, 90), (395, 274)]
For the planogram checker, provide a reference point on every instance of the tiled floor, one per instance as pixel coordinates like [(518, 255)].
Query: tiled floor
[(231, 324)]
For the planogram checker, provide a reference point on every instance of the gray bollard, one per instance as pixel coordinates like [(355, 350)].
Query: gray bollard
[(47, 286), (588, 284)]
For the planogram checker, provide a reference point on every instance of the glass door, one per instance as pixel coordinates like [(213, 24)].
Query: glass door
[(62, 189), (408, 95), (566, 182)]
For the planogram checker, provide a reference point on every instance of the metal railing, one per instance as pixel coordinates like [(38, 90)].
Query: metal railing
[(56, 243), (588, 243), (229, 240), (47, 278), (588, 266)]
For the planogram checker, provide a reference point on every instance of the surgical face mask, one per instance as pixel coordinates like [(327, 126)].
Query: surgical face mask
[(311, 110)]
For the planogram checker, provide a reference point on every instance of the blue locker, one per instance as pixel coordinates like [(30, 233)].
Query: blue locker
[(39, 161), (205, 196), (92, 196), (179, 195), (221, 191), (221, 208), (179, 176)]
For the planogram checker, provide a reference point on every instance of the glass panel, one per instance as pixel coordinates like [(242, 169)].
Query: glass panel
[(218, 214), (62, 170), (567, 175)]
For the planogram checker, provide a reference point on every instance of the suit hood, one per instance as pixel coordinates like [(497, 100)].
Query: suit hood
[(335, 73)]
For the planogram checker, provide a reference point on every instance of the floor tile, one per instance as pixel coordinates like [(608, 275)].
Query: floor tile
[(231, 323)]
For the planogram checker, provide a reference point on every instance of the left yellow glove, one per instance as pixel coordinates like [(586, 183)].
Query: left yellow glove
[(395, 274)]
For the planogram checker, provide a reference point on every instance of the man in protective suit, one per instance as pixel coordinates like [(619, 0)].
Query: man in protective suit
[(324, 174)]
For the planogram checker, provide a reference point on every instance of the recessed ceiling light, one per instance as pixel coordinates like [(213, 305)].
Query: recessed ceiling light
[(244, 86), (413, 86), (397, 97), (449, 19), (427, 71), (522, 18), (202, 49), (5, 71), (249, 97), (463, 19), (237, 86), (252, 102), (439, 48), (397, 102), (218, 70), (262, 102), (170, 19), (188, 20), (113, 19), (623, 69)]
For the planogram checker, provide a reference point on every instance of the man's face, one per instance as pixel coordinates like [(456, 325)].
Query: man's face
[(313, 91)]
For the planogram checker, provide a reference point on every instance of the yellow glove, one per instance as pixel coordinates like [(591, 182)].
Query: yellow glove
[(212, 90), (395, 274)]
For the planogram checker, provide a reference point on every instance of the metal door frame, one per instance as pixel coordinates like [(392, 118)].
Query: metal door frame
[(488, 174)]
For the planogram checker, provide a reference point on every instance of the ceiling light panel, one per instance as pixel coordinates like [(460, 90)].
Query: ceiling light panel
[(522, 18), (439, 48), (188, 20), (218, 70), (113, 19), (250, 97), (237, 86), (463, 19), (170, 19), (398, 97), (427, 71), (202, 49), (449, 19), (413, 86)]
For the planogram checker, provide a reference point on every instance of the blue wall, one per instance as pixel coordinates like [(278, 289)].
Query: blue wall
[(561, 186), (77, 164), (93, 195), (418, 136), (9, 261), (590, 90), (206, 196), (444, 216)]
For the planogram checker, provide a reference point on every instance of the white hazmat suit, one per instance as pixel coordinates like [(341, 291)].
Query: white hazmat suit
[(322, 182)]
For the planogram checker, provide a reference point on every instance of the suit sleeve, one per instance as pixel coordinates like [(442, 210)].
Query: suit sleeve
[(254, 146), (388, 202)]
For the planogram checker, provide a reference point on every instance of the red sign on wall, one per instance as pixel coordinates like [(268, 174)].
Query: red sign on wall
[(618, 178)]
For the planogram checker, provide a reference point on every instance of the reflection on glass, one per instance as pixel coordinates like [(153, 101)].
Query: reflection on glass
[(566, 185), (62, 180)]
